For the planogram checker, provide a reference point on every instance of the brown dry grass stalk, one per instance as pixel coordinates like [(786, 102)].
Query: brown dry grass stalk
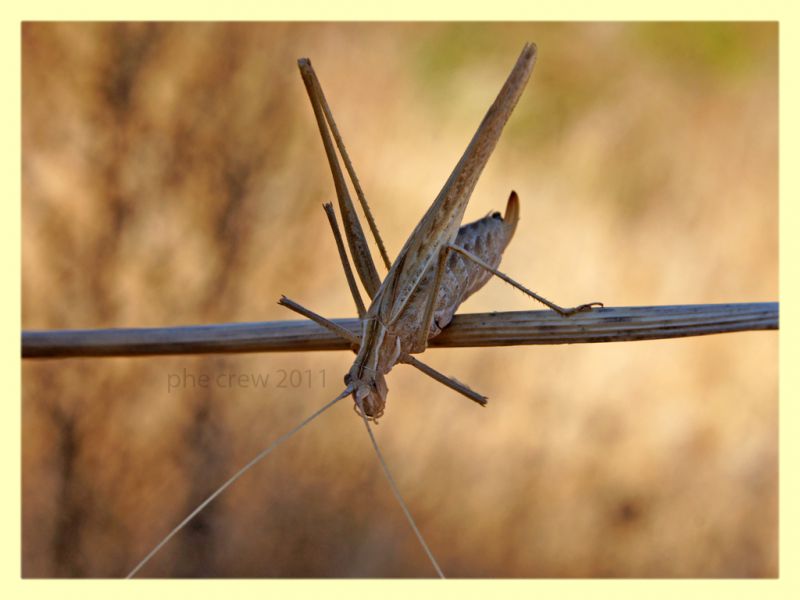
[(481, 329)]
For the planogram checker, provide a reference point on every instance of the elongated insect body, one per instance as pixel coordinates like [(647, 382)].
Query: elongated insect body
[(392, 327), (440, 265), (487, 238), (384, 344)]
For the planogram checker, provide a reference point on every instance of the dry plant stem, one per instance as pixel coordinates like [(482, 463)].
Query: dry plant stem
[(470, 330)]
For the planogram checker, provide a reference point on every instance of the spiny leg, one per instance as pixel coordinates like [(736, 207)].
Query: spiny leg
[(348, 272), (564, 312), (405, 358), (396, 491), (258, 458), (359, 249), (362, 199)]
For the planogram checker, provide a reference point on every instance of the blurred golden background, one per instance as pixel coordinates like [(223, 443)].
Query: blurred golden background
[(172, 174)]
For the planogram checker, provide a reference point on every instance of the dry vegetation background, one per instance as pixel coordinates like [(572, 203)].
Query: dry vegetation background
[(173, 174)]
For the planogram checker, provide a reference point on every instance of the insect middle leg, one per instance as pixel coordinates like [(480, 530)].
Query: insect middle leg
[(564, 312)]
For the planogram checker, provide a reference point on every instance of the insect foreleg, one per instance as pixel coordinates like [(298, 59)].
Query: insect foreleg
[(320, 320), (564, 312), (444, 379), (404, 358)]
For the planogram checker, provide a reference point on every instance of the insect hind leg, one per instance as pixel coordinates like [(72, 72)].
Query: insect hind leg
[(348, 272)]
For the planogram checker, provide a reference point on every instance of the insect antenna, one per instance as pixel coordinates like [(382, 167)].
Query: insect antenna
[(396, 491), (260, 456)]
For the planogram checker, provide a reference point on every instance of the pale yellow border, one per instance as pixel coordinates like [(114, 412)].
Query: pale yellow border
[(784, 587)]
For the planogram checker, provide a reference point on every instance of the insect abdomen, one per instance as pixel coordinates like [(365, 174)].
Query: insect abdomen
[(486, 238)]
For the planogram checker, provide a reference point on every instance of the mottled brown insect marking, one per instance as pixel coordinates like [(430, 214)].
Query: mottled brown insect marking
[(440, 265)]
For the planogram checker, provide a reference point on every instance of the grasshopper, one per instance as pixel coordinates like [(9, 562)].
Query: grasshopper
[(440, 265)]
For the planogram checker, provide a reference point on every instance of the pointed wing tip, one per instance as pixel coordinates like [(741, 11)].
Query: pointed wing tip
[(529, 50), (529, 55)]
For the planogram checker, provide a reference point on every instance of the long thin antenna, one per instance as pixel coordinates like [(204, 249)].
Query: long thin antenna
[(236, 476), (396, 491)]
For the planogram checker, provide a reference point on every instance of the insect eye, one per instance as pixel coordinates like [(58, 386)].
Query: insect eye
[(496, 215)]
